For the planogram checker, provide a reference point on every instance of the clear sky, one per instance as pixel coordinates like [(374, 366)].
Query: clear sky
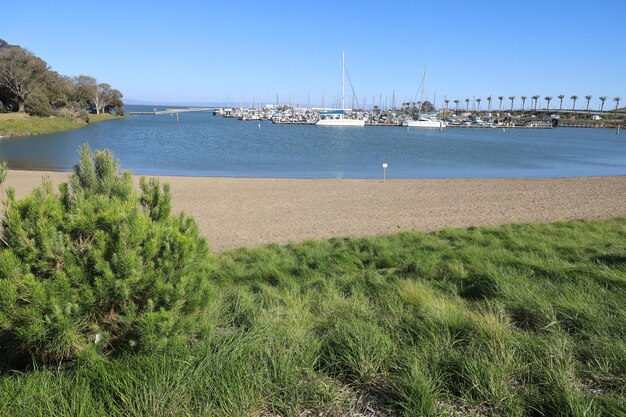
[(206, 51)]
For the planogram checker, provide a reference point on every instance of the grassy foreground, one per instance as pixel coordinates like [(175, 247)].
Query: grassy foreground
[(21, 124), (513, 321)]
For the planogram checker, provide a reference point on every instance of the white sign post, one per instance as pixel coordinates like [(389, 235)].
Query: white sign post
[(384, 172)]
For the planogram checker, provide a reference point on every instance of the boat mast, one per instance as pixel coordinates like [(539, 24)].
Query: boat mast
[(343, 71)]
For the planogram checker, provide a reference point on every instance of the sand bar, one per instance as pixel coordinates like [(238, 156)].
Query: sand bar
[(235, 212)]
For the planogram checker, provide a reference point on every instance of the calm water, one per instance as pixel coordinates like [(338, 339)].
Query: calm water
[(205, 145)]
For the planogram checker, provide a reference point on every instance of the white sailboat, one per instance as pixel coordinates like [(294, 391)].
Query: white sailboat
[(422, 120), (337, 117)]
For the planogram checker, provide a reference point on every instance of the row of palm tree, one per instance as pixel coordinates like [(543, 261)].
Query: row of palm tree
[(534, 99)]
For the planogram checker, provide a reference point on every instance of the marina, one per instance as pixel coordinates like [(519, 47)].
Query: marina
[(202, 144), (403, 117)]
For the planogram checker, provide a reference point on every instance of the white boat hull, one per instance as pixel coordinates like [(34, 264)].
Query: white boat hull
[(429, 124), (340, 122)]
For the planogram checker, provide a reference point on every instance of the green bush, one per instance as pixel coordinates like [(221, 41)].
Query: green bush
[(97, 268), (37, 105)]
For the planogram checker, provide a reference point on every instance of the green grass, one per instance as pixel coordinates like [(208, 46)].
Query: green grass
[(13, 124), (104, 116), (517, 320)]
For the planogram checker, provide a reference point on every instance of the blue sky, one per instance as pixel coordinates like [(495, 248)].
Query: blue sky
[(207, 51)]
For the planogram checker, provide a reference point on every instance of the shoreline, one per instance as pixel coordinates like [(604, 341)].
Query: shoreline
[(19, 125), (250, 212), (52, 171)]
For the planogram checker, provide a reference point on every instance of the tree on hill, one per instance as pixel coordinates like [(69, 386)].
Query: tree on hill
[(104, 96), (21, 73)]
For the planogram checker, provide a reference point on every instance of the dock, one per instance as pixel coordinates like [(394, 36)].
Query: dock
[(170, 111)]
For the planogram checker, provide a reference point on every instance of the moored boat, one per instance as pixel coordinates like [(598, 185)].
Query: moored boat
[(337, 117)]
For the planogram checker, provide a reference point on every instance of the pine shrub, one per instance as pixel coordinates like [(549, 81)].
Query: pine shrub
[(97, 267)]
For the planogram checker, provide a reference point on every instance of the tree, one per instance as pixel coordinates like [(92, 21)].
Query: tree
[(548, 99), (535, 98), (104, 97), (427, 107), (37, 105), (602, 99), (574, 98), (456, 102), (512, 98), (616, 100), (467, 100), (84, 91), (588, 98), (523, 102), (489, 103), (500, 98), (21, 73), (98, 269), (447, 101), (478, 100), (60, 91), (561, 97)]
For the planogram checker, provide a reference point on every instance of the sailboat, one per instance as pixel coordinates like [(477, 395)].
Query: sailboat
[(424, 121), (337, 117)]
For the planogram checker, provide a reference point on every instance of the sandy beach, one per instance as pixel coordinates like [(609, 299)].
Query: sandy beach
[(236, 212)]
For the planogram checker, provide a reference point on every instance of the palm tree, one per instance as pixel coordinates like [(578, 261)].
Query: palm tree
[(535, 98), (561, 97), (489, 101), (447, 101), (523, 102), (478, 100), (588, 98), (616, 100), (574, 98), (467, 100), (512, 98), (548, 99), (457, 101), (602, 99), (500, 98)]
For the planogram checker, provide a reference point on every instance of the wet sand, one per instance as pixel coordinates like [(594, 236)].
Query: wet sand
[(235, 212)]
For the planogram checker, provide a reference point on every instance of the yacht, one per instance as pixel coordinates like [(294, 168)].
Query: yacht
[(422, 120), (338, 117), (425, 122)]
